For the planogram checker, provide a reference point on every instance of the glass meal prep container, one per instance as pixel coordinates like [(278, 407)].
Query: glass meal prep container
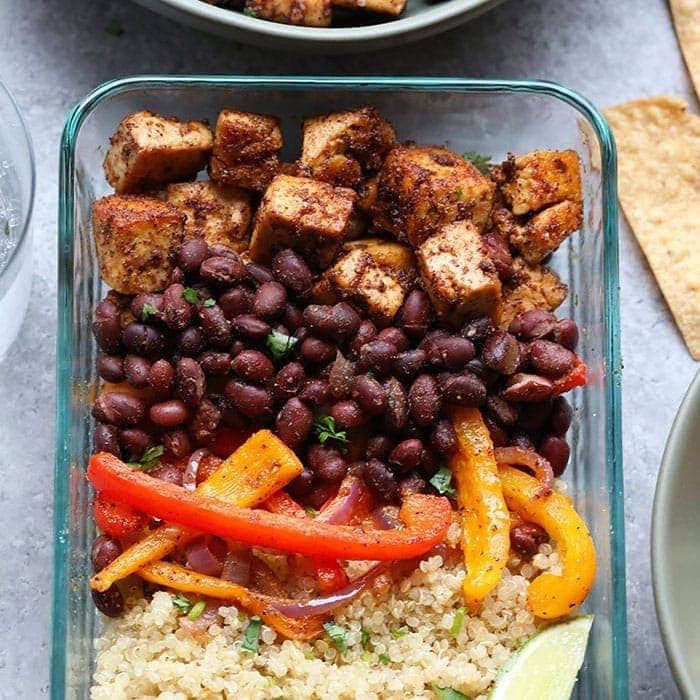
[(488, 116)]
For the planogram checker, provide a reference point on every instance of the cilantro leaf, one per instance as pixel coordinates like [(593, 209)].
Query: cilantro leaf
[(191, 295), (448, 693), (366, 639), (459, 192), (182, 603), (311, 511), (384, 659), (482, 163), (326, 430), (148, 459), (280, 344), (251, 636), (442, 481), (338, 634), (209, 302), (396, 634), (148, 310), (458, 621), (196, 611), (248, 12)]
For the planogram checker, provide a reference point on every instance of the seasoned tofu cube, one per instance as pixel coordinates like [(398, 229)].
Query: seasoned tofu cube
[(218, 213), (246, 149), (539, 178), (308, 13), (393, 8), (136, 237), (532, 287), (396, 259), (148, 150), (345, 147), (324, 291), (367, 194), (422, 188), (311, 217), (358, 277), (458, 274)]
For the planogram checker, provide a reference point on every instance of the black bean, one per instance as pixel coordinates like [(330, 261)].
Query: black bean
[(533, 416), (161, 377), (566, 333), (317, 351), (478, 330), (250, 328), (430, 463), (406, 455), (294, 423), (236, 301), (110, 367), (259, 273), (107, 327), (452, 352), (347, 414), (521, 440), (464, 390), (136, 370), (424, 400), (532, 324), (555, 450), (302, 333), (366, 333), (190, 342), (252, 401), (346, 321), (327, 463), (290, 269), (135, 442), (499, 253), (105, 439), (501, 352), (191, 254), (409, 364), (560, 418), (253, 366), (215, 325), (292, 316), (381, 480), (223, 251), (303, 484), (526, 538), (109, 602), (168, 414), (177, 311), (396, 414), (501, 411), (215, 363), (205, 422), (394, 336), (316, 392), (527, 387), (221, 271), (143, 340), (319, 319), (190, 382), (486, 374), (289, 381), (118, 408), (104, 551), (443, 438), (154, 307), (229, 415), (177, 442), (414, 315), (168, 472), (369, 395), (551, 358), (177, 276), (269, 300), (379, 447), (378, 357), (499, 435), (412, 483)]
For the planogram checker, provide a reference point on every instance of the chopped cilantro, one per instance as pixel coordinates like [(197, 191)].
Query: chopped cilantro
[(326, 430), (396, 634), (459, 192), (338, 634), (366, 656), (280, 344), (248, 12), (442, 481), (114, 28), (311, 511), (448, 693), (366, 639), (310, 654), (482, 163), (148, 459), (182, 603), (148, 310), (384, 659), (197, 610), (191, 295), (209, 302), (457, 622), (251, 636)]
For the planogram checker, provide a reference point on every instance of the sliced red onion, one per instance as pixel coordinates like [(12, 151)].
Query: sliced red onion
[(237, 566), (384, 519), (344, 505), (539, 466), (322, 604), (206, 555), (189, 480)]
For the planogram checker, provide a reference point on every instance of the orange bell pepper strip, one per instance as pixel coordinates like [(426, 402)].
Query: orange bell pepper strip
[(256, 470), (330, 576), (427, 518), (551, 596), (485, 518), (181, 579), (117, 519), (578, 376)]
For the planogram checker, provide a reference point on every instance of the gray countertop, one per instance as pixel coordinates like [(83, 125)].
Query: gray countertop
[(54, 51)]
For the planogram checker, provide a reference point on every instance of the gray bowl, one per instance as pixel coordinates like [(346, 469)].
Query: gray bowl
[(674, 544), (421, 19)]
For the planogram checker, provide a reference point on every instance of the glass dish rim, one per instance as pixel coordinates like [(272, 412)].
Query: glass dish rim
[(613, 433)]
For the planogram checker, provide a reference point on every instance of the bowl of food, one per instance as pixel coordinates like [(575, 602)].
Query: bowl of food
[(341, 26), (337, 441)]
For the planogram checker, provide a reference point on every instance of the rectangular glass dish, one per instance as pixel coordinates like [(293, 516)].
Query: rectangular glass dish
[(488, 116)]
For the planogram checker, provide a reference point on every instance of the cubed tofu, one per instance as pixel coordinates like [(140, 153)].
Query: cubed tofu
[(311, 217), (148, 150), (343, 148), (136, 238), (307, 13), (536, 179), (396, 259), (532, 287), (393, 8), (422, 188), (358, 277), (367, 194), (458, 274), (246, 149), (218, 213)]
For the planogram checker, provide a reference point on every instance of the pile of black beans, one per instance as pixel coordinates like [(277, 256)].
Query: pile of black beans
[(212, 350)]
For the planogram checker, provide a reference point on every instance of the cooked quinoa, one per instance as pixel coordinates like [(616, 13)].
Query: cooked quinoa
[(147, 653)]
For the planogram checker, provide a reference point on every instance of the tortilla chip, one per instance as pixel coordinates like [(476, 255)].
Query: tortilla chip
[(686, 18), (658, 145)]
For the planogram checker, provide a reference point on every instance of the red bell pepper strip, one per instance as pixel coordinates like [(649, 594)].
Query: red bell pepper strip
[(427, 518), (577, 377), (117, 519)]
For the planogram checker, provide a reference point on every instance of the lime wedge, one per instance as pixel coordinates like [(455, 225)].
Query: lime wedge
[(545, 667)]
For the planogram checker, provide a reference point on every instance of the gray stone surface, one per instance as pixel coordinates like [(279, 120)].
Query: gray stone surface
[(53, 51)]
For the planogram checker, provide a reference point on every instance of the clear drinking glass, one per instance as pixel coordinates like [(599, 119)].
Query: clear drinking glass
[(488, 116), (16, 199)]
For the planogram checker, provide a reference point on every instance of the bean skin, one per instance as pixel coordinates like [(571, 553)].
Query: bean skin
[(190, 382), (161, 378), (169, 473), (236, 301), (378, 357), (499, 253), (345, 320), (409, 364), (191, 254), (443, 438), (214, 324), (406, 455), (379, 447), (250, 328), (521, 440), (190, 342), (555, 450), (110, 367), (177, 442), (104, 551), (464, 390), (294, 423), (396, 337), (526, 538), (289, 381), (205, 422), (220, 270), (369, 395), (414, 315), (412, 483), (137, 370), (269, 300), (291, 270), (302, 485), (327, 463), (292, 317), (118, 408), (366, 333), (424, 400), (501, 353), (152, 300), (317, 351), (550, 358), (135, 441), (533, 324), (107, 327), (396, 414), (560, 418), (215, 363), (452, 352), (143, 340), (501, 411), (109, 602), (253, 366), (499, 435), (566, 333), (318, 318), (168, 414), (105, 439), (380, 480), (527, 387), (316, 392), (259, 273), (177, 311), (255, 402), (347, 415), (478, 330), (532, 417)]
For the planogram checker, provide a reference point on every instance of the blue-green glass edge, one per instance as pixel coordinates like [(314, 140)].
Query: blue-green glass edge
[(612, 312)]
